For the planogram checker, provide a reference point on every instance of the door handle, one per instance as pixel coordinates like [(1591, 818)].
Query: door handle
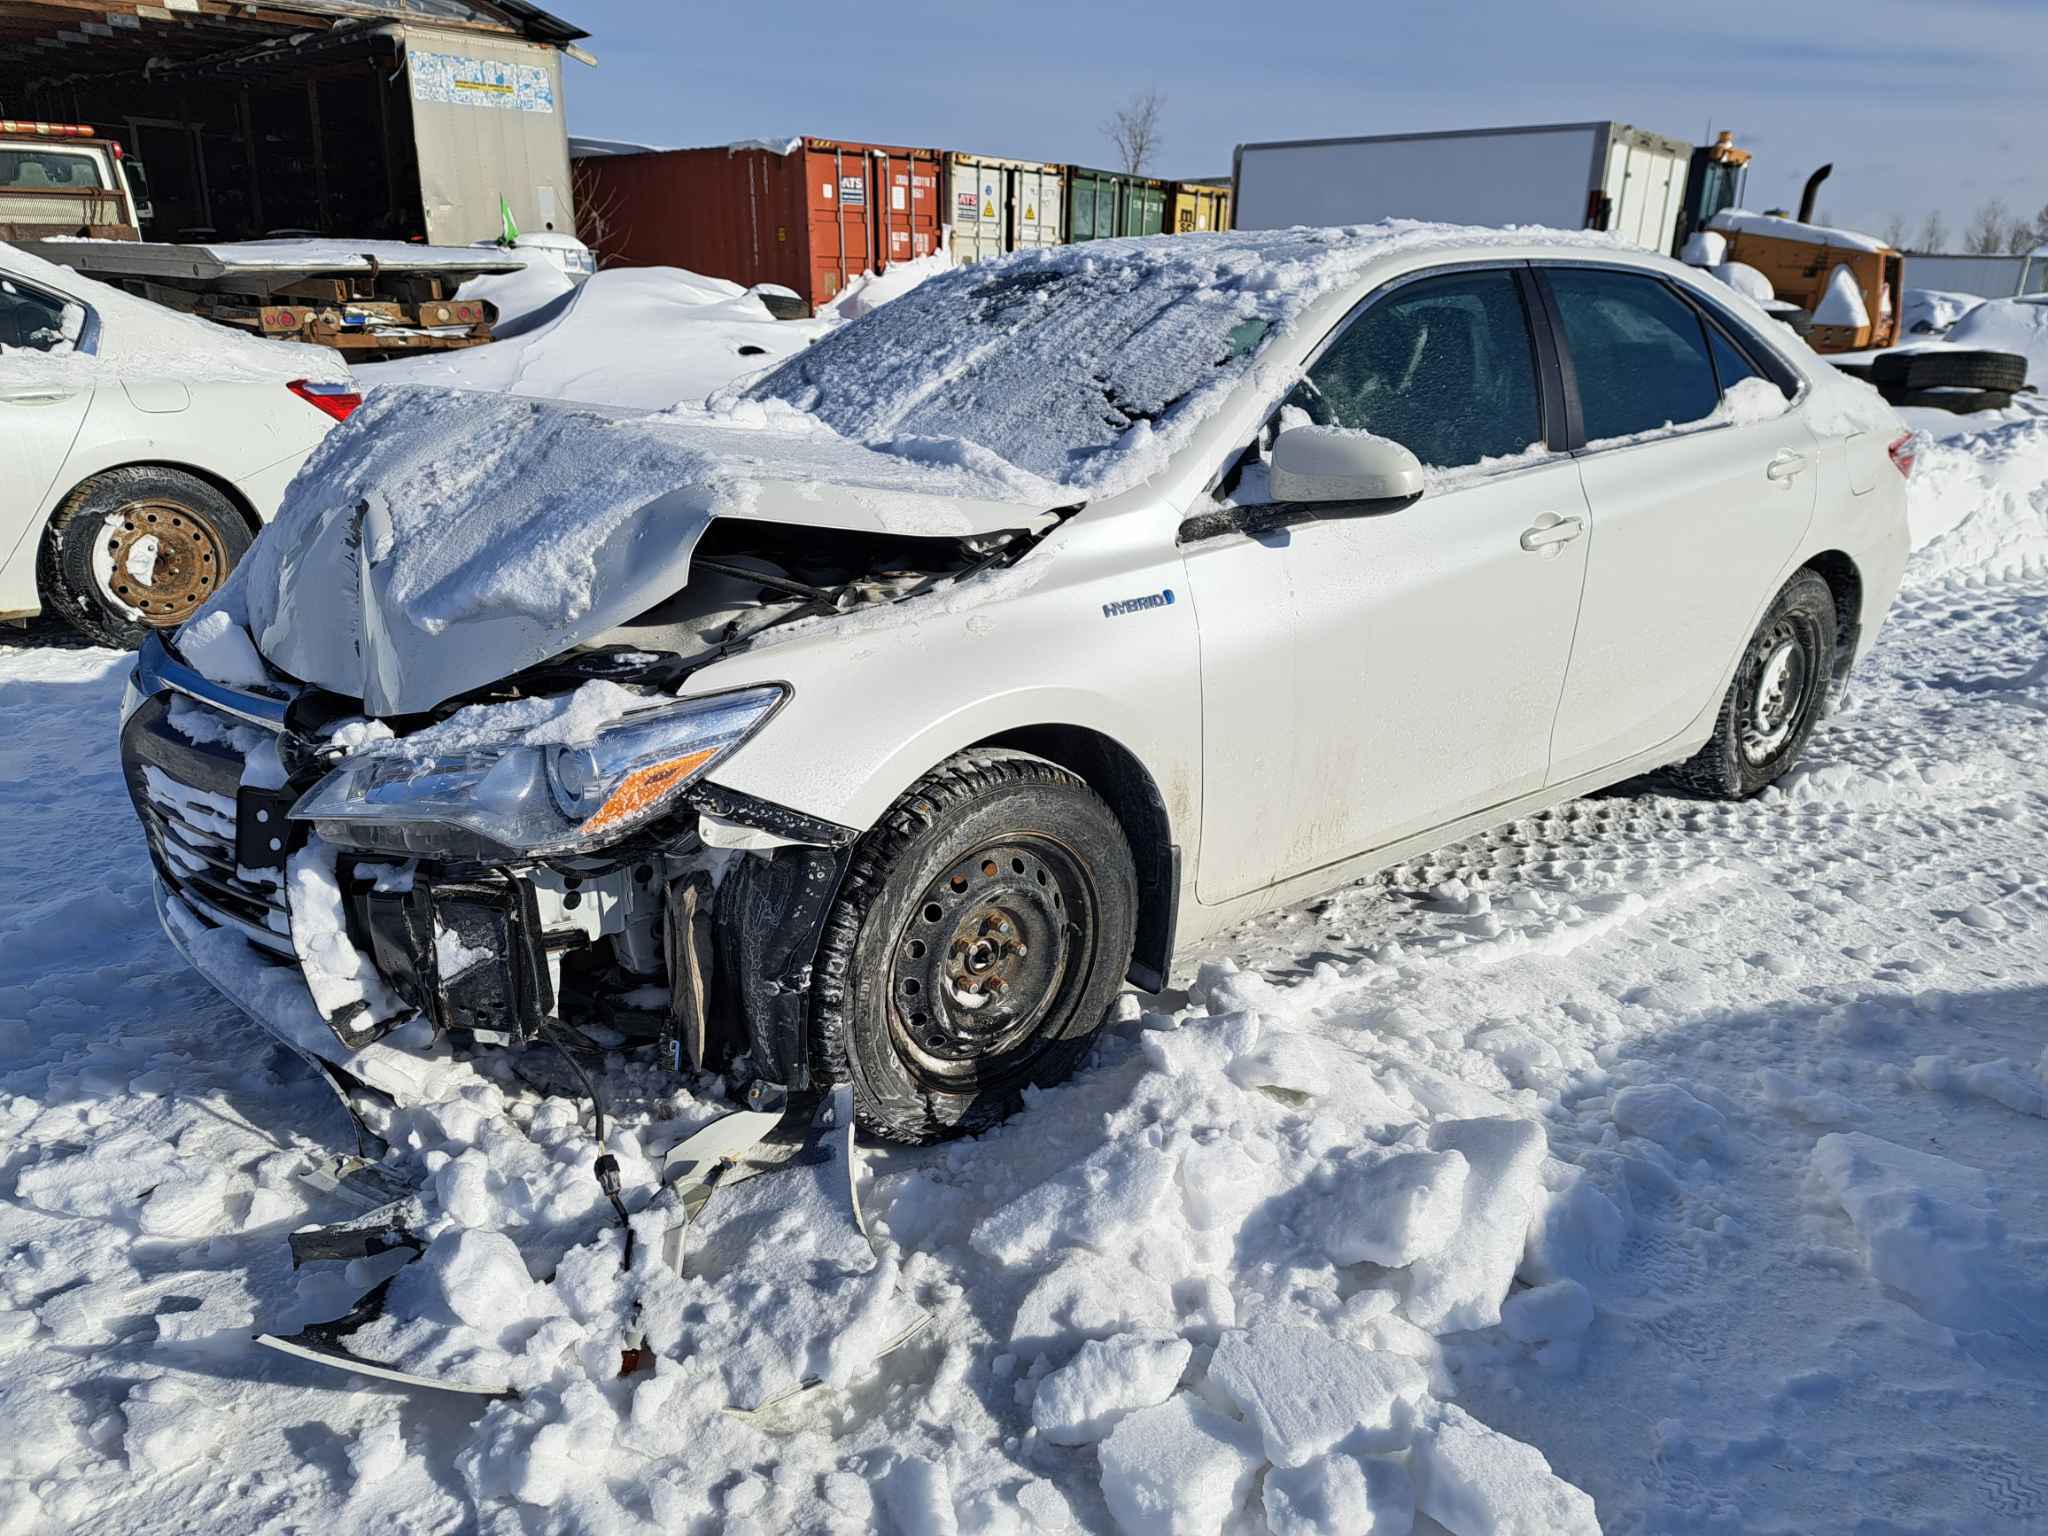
[(1785, 466), (1550, 531), (35, 396)]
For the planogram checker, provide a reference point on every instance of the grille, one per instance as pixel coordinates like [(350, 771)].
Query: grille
[(184, 792)]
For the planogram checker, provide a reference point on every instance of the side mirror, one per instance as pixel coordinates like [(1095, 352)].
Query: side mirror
[(1334, 464)]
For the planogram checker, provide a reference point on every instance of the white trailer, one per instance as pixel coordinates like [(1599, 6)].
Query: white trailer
[(1565, 175)]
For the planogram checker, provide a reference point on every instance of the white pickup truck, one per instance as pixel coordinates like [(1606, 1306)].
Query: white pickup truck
[(60, 179)]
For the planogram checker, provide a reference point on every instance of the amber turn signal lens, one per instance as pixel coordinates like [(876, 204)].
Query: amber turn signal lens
[(643, 788)]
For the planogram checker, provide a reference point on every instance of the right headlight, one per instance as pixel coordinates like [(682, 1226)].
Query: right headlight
[(531, 798)]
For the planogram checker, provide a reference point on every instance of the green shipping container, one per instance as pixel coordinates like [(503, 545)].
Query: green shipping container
[(1102, 204)]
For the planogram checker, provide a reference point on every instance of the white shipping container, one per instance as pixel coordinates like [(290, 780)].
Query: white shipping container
[(1564, 175), (998, 206)]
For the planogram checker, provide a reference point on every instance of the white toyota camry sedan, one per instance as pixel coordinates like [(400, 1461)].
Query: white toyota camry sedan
[(875, 721), (144, 448)]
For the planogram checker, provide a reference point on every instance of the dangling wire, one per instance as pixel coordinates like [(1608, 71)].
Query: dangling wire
[(607, 1166)]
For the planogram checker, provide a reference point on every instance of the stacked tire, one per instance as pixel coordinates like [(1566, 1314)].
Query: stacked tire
[(1950, 378)]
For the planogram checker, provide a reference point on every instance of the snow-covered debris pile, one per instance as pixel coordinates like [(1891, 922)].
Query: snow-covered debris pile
[(983, 353), (2008, 325), (1931, 311), (139, 338), (634, 338), (1841, 302)]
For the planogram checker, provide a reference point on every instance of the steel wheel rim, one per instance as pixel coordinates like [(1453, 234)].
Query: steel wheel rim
[(985, 970), (182, 553), (1777, 689)]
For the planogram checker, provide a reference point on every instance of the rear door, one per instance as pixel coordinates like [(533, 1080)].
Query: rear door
[(1697, 507)]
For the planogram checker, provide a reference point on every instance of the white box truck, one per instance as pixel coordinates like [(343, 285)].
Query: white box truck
[(1566, 175)]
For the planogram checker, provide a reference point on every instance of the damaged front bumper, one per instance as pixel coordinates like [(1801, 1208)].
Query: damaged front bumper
[(694, 935)]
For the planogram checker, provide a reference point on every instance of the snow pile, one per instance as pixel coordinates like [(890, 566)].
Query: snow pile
[(1931, 311), (140, 338), (1034, 356), (1841, 302), (1930, 1232), (869, 291), (638, 338), (1705, 248), (2008, 325), (1977, 503), (1745, 280)]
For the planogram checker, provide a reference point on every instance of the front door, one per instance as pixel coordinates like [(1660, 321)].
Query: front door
[(40, 409), (1697, 507), (1370, 676)]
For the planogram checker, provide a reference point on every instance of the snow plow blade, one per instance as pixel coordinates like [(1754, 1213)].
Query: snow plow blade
[(725, 1187)]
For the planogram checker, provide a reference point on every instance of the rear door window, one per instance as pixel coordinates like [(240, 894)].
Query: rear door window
[(1443, 366), (1639, 352)]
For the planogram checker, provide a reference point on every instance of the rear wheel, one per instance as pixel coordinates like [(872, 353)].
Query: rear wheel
[(137, 549), (984, 928), (1777, 697)]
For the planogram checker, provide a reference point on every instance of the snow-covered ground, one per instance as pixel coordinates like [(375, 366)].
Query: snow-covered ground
[(1681, 1157)]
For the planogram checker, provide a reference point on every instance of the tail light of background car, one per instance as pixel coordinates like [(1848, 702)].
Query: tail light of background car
[(337, 400), (1903, 453)]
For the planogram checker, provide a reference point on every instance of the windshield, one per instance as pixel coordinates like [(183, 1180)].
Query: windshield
[(1070, 368)]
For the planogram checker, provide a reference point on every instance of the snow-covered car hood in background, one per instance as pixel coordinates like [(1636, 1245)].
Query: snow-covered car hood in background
[(442, 540)]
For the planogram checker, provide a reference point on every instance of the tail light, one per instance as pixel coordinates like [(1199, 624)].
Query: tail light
[(338, 400), (1903, 453)]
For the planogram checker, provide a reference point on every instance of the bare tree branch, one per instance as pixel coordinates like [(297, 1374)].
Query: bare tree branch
[(1134, 130), (1933, 235), (1989, 229), (1895, 231)]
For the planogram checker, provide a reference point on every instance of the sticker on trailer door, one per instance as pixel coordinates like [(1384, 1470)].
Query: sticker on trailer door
[(454, 79), (853, 192), (988, 201), (967, 206), (896, 197)]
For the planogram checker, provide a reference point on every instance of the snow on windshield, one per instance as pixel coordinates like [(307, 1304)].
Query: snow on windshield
[(1085, 364)]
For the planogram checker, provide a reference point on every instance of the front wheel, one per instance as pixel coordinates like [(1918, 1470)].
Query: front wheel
[(983, 929), (1778, 695), (137, 549)]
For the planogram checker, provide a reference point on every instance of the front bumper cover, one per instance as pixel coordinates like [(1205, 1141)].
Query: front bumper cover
[(738, 961)]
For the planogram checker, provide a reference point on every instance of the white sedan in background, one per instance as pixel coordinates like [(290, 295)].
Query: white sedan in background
[(144, 448)]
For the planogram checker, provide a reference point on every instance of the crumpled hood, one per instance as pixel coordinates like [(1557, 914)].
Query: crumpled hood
[(442, 540)]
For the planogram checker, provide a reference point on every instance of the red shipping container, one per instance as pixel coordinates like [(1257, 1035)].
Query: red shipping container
[(811, 220)]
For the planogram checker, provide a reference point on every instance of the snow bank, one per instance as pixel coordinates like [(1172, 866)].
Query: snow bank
[(1977, 503), (140, 338), (637, 338)]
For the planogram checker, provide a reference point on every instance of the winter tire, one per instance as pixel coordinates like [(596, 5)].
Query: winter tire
[(982, 931), (1778, 695), (1960, 401), (1951, 368), (137, 549)]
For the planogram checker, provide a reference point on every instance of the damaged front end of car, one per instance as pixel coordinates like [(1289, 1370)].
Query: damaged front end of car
[(549, 852)]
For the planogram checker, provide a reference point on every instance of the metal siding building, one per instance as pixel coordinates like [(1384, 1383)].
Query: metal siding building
[(397, 119)]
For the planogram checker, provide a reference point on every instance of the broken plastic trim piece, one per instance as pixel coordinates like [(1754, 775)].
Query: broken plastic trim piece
[(326, 1344)]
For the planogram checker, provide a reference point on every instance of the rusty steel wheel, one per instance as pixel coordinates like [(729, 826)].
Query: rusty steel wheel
[(982, 930), (137, 549), (988, 958), (161, 560)]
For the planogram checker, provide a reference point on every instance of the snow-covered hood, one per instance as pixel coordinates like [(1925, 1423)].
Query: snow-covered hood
[(442, 540)]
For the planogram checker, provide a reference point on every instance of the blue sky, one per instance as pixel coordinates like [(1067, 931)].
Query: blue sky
[(1939, 104)]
